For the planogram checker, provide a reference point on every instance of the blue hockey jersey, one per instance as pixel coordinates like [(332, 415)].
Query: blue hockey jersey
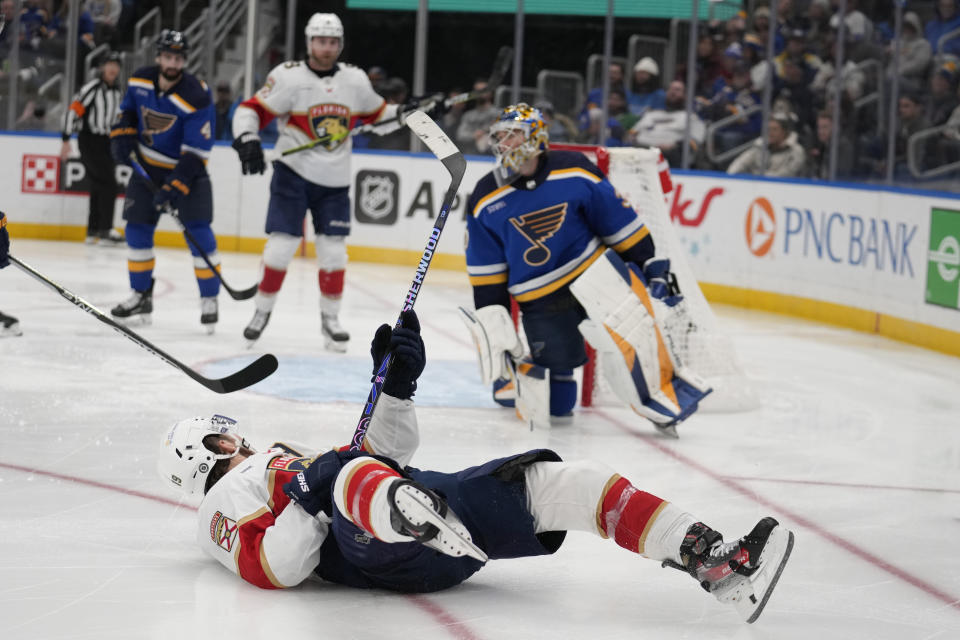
[(169, 124), (536, 235)]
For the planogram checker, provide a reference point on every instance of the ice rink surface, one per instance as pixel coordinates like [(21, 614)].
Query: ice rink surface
[(855, 445)]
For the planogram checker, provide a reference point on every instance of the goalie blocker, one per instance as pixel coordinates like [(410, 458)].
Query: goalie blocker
[(626, 323)]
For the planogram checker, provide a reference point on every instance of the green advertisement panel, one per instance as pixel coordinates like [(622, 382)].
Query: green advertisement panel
[(621, 8), (943, 259)]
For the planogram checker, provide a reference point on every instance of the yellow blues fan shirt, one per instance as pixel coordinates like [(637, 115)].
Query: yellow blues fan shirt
[(534, 236)]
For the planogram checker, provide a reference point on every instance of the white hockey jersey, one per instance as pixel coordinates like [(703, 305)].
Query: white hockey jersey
[(311, 105), (248, 524)]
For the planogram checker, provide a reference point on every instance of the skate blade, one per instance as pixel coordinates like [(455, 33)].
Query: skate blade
[(453, 540), (210, 329), (777, 551), (140, 320), (669, 430), (13, 331)]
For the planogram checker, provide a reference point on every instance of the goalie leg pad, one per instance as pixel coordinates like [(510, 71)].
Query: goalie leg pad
[(533, 392), (505, 392), (493, 335), (622, 326)]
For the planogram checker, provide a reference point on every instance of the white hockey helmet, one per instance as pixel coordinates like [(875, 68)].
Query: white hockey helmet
[(324, 25), (185, 462)]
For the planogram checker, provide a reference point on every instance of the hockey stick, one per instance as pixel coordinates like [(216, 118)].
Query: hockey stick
[(245, 294), (251, 374), (500, 67), (431, 135)]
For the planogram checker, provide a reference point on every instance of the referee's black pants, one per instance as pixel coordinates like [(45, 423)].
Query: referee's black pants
[(96, 159)]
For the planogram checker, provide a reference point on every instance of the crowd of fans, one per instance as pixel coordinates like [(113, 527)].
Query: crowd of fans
[(646, 109), (41, 44)]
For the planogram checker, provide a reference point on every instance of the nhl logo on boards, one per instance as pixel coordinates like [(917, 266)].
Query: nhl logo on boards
[(377, 195)]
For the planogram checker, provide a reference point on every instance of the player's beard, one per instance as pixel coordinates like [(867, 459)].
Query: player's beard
[(171, 74), (324, 63)]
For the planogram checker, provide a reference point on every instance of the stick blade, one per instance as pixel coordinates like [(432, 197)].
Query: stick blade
[(253, 373), (244, 294), (431, 134)]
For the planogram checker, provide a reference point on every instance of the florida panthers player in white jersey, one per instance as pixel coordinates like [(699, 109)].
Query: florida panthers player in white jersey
[(366, 519), (319, 98)]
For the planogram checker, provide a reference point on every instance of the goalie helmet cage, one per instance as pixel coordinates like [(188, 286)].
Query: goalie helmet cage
[(642, 177)]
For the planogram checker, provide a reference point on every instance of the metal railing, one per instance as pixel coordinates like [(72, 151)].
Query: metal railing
[(563, 88), (90, 59), (720, 157), (196, 32), (915, 154), (503, 95), (151, 16)]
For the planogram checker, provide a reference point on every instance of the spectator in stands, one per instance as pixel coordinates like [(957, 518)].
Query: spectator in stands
[(735, 98), (795, 91), (818, 28), (947, 20), (911, 120), (754, 52), (617, 108), (105, 14), (665, 128), (796, 47), (472, 131), (859, 28), (761, 26), (915, 53), (617, 81), (785, 157), (224, 100), (854, 80), (377, 77), (942, 99), (709, 64), (560, 128), (646, 92), (818, 155), (947, 146)]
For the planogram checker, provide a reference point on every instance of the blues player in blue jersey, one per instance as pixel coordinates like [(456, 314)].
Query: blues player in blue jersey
[(165, 126), (536, 223)]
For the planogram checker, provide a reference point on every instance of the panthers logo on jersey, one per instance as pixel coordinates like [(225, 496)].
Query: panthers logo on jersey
[(331, 120), (537, 227), (154, 122)]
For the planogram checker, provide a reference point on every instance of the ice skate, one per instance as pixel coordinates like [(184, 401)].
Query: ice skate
[(256, 326), (209, 314), (9, 326), (335, 337), (420, 513), (111, 239), (743, 573), (138, 306)]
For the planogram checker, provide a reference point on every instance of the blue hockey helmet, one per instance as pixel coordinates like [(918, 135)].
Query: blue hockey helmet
[(518, 134), (172, 41)]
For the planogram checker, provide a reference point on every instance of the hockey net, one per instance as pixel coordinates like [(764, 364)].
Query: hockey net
[(642, 176)]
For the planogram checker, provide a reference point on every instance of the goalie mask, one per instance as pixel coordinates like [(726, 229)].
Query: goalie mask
[(518, 135), (185, 461), (322, 25)]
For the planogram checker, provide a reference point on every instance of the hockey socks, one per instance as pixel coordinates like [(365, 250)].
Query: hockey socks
[(140, 257), (641, 522), (207, 280)]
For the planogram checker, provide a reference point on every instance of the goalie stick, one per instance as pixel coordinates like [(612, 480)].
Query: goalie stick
[(500, 67), (249, 375), (431, 135), (244, 294)]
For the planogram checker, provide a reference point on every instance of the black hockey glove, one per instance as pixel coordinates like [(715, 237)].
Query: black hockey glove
[(251, 153), (409, 356), (4, 242), (311, 487), (178, 183)]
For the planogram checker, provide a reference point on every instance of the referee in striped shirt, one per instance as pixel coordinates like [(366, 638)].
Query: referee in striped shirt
[(92, 114)]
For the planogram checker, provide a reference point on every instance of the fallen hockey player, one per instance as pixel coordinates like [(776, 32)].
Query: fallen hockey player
[(367, 519)]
